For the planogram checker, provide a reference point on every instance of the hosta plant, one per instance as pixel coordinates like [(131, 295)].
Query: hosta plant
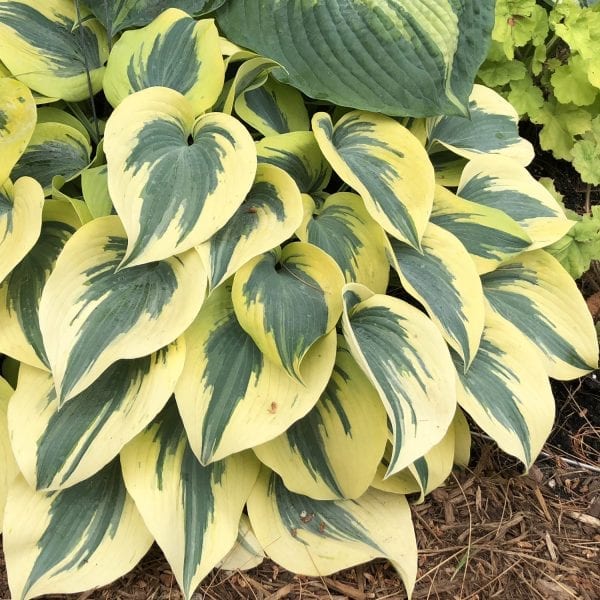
[(240, 320)]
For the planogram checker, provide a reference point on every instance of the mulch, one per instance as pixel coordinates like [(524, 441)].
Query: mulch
[(491, 532)]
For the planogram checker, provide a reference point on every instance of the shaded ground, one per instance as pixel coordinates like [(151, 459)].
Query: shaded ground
[(489, 533)]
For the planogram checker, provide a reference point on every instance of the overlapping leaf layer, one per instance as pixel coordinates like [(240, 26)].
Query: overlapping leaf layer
[(241, 321)]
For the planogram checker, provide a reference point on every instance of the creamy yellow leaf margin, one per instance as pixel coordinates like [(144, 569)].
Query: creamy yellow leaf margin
[(9, 466), (17, 122), (193, 511), (501, 183), (230, 396), (107, 314), (173, 51), (320, 537), (406, 358), (174, 180), (247, 552), (287, 300), (445, 280), (333, 452), (52, 548), (268, 216), (386, 164), (57, 448), (273, 108), (506, 390), (342, 227), (21, 290), (489, 234), (20, 220), (44, 44), (535, 293)]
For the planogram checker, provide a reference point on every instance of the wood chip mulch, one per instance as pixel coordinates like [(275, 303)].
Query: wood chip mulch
[(489, 533)]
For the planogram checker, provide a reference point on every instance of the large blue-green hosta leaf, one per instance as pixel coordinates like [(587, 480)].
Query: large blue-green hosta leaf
[(408, 57)]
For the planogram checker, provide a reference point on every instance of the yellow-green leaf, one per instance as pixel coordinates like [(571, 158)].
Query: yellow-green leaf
[(385, 164), (287, 300), (44, 45), (193, 511), (107, 314), (9, 466), (273, 108), (342, 227), (492, 127), (443, 278), (231, 397), (506, 391), (57, 448), (20, 292), (535, 293), (320, 537), (488, 233), (501, 183), (333, 452), (20, 221), (17, 122), (173, 51), (173, 180), (404, 355), (299, 155), (71, 540), (268, 216)]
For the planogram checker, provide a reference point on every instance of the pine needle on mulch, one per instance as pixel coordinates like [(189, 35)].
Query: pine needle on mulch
[(490, 533)]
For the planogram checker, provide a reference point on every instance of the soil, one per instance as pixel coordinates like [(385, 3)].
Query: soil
[(490, 532)]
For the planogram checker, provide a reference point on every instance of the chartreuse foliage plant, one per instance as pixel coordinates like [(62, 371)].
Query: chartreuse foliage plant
[(248, 302), (545, 59)]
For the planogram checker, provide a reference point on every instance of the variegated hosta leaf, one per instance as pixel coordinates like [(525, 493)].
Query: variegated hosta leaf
[(269, 215), (333, 452), (94, 186), (424, 475), (17, 122), (462, 439), (491, 128), (20, 292), (389, 56), (74, 539), (386, 165), (320, 537), (273, 108), (448, 167), (343, 228), (117, 15), (44, 45), (59, 448), (489, 234), (174, 181), (247, 552), (287, 300), (443, 278), (299, 155), (9, 466), (192, 511), (108, 314), (251, 74), (55, 149), (404, 355), (538, 296), (500, 182), (506, 390), (231, 397), (173, 51), (20, 220)]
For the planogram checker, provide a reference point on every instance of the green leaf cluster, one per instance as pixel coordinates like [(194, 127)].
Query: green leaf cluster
[(242, 316), (545, 59)]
